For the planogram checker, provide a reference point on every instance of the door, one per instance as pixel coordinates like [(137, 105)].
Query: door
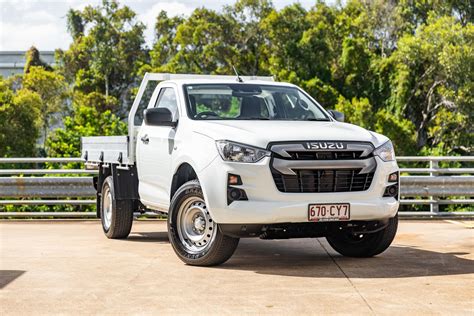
[(155, 145)]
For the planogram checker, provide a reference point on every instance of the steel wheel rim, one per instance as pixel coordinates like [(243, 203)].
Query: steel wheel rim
[(196, 229), (107, 206)]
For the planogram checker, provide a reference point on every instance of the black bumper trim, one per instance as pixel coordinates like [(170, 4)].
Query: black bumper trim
[(301, 230)]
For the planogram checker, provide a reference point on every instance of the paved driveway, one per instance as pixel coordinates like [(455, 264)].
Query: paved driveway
[(70, 267)]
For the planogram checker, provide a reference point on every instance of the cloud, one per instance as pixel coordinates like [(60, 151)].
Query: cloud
[(26, 23), (44, 36), (172, 9), (43, 22)]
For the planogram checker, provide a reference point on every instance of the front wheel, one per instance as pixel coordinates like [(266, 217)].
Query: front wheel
[(365, 245), (194, 235)]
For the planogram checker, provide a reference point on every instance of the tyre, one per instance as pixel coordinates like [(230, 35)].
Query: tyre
[(195, 237), (116, 215), (365, 245)]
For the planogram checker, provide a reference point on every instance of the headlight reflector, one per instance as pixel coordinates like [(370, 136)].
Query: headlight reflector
[(231, 151), (385, 152)]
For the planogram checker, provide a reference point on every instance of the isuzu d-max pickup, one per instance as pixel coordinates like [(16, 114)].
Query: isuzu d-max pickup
[(228, 157)]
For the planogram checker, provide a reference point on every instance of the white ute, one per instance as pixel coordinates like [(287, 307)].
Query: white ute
[(229, 157)]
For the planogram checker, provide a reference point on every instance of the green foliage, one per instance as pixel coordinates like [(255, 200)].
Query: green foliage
[(402, 68), (106, 53), (165, 47), (75, 23), (86, 120), (434, 75), (33, 60), (52, 91), (401, 131), (212, 42), (357, 111), (18, 114), (202, 41)]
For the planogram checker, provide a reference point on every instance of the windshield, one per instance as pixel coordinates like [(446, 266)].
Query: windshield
[(242, 101)]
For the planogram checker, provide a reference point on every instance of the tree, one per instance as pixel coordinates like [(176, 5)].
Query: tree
[(75, 23), (33, 60), (401, 131), (106, 53), (300, 49), (403, 68), (246, 36), (19, 116), (86, 119), (357, 111), (201, 43), (434, 75), (52, 91), (355, 64), (212, 42), (284, 30), (164, 47)]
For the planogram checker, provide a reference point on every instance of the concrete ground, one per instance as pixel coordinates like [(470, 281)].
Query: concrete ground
[(71, 268)]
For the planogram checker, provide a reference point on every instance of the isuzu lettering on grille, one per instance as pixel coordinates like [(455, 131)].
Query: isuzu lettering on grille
[(326, 145)]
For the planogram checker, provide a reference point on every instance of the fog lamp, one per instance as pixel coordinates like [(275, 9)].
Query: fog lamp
[(234, 179), (393, 177)]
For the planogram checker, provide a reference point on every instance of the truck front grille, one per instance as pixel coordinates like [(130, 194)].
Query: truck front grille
[(327, 180), (324, 155), (308, 168)]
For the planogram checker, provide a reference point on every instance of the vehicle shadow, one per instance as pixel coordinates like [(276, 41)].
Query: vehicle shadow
[(8, 276), (156, 237), (313, 261)]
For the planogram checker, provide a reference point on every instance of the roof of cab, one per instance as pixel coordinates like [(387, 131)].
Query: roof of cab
[(228, 81)]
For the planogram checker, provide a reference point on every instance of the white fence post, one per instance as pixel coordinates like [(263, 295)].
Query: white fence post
[(434, 206)]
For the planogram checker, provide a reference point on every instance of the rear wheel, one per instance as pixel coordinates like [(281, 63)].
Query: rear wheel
[(194, 235), (365, 245), (116, 215)]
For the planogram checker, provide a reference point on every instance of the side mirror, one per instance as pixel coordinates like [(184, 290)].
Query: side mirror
[(338, 116), (159, 117)]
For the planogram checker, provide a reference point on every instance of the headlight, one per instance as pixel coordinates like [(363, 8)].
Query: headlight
[(385, 152), (231, 151)]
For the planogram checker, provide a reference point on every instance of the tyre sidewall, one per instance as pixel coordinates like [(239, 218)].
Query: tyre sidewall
[(108, 182), (190, 189)]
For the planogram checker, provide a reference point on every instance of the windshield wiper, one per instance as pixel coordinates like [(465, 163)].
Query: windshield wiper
[(255, 118), (318, 119)]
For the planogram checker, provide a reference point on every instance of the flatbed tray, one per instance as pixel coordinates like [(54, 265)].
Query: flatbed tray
[(105, 149)]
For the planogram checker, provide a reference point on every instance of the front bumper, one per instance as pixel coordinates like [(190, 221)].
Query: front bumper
[(267, 205)]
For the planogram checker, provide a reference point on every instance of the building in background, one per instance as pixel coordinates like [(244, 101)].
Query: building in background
[(13, 62)]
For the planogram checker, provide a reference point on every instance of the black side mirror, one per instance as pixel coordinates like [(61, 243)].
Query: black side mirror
[(338, 116), (159, 117)]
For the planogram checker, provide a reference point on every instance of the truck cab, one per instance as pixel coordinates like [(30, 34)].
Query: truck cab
[(229, 157)]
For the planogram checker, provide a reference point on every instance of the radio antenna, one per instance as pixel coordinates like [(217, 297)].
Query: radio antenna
[(239, 79)]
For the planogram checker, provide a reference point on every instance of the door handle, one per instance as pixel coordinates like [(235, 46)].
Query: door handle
[(145, 139)]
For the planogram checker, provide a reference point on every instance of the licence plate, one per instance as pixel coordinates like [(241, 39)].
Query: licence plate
[(329, 212)]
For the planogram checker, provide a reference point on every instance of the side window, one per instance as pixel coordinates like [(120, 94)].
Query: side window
[(167, 99), (144, 101)]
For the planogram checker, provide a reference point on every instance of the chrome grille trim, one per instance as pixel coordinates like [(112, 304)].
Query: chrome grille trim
[(286, 166), (284, 149)]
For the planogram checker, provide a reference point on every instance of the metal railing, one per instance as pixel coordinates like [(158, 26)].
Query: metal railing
[(431, 185), (435, 185), (40, 186)]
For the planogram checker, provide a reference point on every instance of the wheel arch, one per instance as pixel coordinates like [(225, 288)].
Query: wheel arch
[(184, 173)]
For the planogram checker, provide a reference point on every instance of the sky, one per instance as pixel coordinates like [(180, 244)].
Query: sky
[(42, 23)]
